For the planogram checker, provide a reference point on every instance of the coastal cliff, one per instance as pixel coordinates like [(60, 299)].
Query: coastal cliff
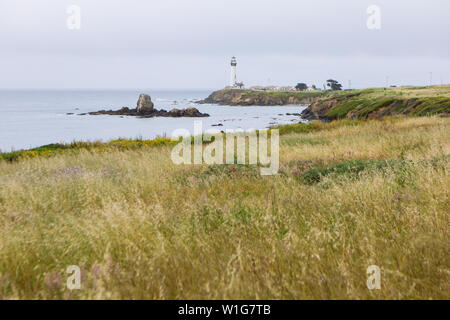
[(378, 103), (235, 97), (372, 103)]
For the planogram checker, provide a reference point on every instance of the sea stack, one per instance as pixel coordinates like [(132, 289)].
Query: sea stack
[(144, 104)]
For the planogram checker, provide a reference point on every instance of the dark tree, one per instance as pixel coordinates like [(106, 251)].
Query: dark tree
[(334, 85), (301, 86)]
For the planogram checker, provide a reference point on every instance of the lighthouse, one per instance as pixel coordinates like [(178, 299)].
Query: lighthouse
[(233, 80)]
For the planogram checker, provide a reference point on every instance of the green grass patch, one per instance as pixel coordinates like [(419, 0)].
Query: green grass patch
[(316, 126), (76, 147), (314, 173), (350, 169)]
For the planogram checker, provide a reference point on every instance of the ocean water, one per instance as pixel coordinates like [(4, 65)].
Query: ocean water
[(33, 118)]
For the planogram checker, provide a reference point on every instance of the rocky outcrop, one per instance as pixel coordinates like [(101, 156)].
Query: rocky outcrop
[(234, 97), (125, 111), (318, 110), (144, 104), (188, 112), (145, 109)]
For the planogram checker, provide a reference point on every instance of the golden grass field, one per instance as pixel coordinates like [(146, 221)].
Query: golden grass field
[(420, 92), (141, 227)]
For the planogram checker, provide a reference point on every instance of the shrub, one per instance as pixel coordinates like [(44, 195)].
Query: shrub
[(349, 168)]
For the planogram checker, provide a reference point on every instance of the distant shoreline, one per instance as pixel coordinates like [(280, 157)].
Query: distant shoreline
[(246, 97), (327, 105)]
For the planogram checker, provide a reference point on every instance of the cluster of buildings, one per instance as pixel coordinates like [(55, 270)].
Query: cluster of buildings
[(234, 84)]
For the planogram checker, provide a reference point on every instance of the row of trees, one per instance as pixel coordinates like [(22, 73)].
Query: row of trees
[(332, 84)]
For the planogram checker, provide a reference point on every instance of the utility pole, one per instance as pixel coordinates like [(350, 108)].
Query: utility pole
[(349, 84), (387, 81), (431, 79)]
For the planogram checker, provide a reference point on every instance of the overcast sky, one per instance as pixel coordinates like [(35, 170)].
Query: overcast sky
[(174, 44)]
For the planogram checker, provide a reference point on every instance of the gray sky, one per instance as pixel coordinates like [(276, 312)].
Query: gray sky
[(174, 44)]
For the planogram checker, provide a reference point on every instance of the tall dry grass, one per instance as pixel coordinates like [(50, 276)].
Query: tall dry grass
[(141, 227)]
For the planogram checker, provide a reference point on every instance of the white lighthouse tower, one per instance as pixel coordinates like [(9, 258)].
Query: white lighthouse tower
[(233, 80)]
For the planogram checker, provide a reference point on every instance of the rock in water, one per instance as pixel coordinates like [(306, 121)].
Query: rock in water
[(192, 112), (144, 104), (188, 112)]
